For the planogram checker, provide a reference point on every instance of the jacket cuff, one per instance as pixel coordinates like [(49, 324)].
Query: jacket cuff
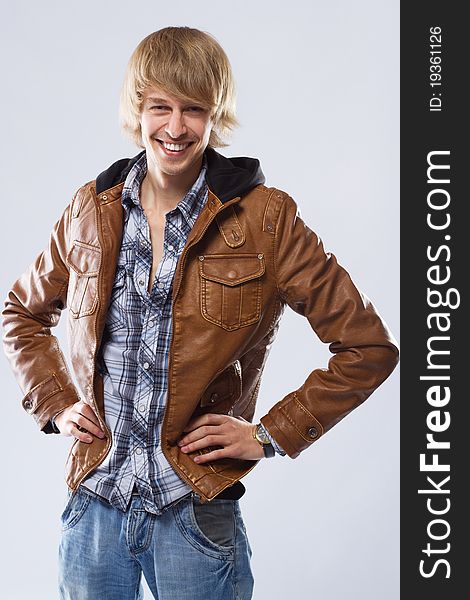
[(274, 444), (292, 425), (45, 400)]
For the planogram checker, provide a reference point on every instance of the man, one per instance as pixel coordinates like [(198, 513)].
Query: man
[(176, 267)]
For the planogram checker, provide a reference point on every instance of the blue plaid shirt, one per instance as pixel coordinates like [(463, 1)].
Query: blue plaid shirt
[(133, 358)]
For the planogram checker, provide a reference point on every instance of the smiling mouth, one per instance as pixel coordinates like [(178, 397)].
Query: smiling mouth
[(174, 148)]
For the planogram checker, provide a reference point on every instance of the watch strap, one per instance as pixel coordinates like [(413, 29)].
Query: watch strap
[(268, 450), (260, 435)]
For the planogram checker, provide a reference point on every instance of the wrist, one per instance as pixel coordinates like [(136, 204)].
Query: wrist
[(55, 428), (260, 435)]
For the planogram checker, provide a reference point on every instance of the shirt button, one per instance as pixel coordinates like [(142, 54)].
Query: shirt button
[(312, 432), (138, 451), (170, 247), (151, 323), (142, 408), (160, 285), (141, 282), (146, 365)]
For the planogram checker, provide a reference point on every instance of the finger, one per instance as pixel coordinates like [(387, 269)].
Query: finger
[(213, 455), (87, 411), (84, 422), (207, 419), (80, 435), (208, 440), (199, 433)]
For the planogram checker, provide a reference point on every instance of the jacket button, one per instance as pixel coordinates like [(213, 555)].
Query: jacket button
[(312, 432), (232, 274), (260, 256), (214, 397), (269, 227), (201, 257), (28, 404), (104, 197)]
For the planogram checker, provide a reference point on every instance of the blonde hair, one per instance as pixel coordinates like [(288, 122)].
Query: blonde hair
[(187, 63)]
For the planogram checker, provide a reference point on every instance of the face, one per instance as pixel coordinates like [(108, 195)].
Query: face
[(174, 133)]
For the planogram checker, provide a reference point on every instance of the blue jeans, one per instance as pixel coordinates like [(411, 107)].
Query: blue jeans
[(192, 551)]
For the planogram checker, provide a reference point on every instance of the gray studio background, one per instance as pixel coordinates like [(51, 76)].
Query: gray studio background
[(318, 104)]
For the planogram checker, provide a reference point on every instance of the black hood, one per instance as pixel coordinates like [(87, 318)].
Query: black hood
[(227, 178)]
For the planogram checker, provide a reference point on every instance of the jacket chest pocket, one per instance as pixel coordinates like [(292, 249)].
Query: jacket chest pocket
[(118, 307), (84, 261), (231, 289)]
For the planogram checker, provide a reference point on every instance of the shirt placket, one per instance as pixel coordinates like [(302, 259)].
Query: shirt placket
[(146, 412)]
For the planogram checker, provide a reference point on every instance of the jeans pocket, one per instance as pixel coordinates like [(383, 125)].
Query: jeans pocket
[(74, 509), (216, 521)]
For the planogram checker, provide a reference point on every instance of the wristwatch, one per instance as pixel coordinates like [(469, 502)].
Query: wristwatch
[(259, 433)]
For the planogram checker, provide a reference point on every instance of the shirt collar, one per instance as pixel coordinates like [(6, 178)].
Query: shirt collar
[(187, 205)]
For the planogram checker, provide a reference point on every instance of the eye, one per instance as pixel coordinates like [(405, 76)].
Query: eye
[(195, 109), (158, 107)]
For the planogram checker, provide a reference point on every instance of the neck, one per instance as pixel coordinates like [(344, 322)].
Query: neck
[(162, 191)]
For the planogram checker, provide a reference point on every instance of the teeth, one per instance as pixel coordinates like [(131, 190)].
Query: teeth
[(175, 147)]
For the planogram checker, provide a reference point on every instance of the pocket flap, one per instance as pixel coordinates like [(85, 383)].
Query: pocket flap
[(84, 258), (231, 269), (226, 387)]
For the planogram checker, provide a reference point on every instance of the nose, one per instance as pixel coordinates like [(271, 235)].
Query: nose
[(175, 127)]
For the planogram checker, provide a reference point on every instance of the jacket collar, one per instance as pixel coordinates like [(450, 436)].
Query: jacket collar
[(226, 178)]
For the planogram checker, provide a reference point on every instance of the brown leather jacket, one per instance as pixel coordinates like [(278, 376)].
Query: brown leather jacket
[(247, 256)]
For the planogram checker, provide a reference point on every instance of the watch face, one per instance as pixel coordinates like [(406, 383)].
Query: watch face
[(261, 435)]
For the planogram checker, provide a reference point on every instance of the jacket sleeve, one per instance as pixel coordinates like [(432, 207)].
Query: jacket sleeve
[(32, 307), (364, 351)]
